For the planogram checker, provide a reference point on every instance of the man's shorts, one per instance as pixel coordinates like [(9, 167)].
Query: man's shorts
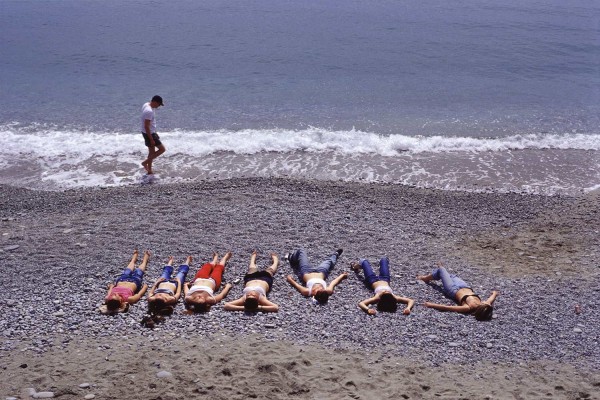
[(157, 141)]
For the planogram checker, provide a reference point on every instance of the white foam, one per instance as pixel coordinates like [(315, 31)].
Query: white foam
[(72, 146), (73, 158)]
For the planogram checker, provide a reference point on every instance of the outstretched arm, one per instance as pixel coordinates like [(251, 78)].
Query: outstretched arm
[(492, 297), (135, 298), (442, 307), (303, 291), (364, 305), (223, 293), (409, 303), (336, 282)]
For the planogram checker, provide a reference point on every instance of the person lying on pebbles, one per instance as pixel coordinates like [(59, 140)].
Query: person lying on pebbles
[(257, 284), (163, 295), (200, 292), (314, 278), (458, 290), (384, 297), (127, 288)]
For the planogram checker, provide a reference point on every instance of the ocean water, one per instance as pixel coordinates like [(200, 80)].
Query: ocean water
[(462, 95)]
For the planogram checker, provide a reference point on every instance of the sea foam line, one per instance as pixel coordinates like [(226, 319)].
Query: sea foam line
[(79, 144)]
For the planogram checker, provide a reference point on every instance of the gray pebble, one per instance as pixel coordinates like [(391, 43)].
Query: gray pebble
[(43, 395), (84, 385), (89, 396), (164, 374)]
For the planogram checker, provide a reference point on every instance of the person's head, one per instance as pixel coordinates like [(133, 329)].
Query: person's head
[(322, 296), (156, 102), (483, 312), (159, 306), (387, 302), (113, 302), (199, 302), (251, 302)]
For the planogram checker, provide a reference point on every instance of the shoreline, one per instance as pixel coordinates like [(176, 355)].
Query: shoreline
[(70, 244)]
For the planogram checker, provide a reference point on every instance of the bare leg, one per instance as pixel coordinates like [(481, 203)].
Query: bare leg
[(170, 262), (188, 260), (144, 263), (215, 259), (147, 163), (134, 259), (273, 268), (252, 268), (225, 258), (425, 278)]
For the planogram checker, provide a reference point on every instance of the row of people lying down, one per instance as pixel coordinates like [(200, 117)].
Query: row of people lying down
[(201, 293)]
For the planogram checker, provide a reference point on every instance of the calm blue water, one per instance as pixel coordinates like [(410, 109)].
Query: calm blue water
[(300, 74)]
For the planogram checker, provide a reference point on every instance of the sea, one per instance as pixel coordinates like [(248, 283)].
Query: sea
[(484, 96)]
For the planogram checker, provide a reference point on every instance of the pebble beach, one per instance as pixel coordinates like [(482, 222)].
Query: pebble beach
[(62, 248)]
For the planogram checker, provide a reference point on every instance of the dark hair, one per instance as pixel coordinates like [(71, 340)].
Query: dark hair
[(387, 303), (483, 312), (322, 296), (159, 307), (251, 304), (113, 304)]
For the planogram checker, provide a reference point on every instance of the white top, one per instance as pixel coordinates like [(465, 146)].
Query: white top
[(311, 282), (380, 289), (148, 113), (258, 289), (200, 288)]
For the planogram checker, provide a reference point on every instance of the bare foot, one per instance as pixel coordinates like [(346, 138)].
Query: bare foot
[(188, 260), (171, 259), (425, 278), (145, 165)]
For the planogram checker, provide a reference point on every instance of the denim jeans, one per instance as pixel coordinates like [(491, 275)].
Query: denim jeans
[(299, 262), (451, 283), (134, 276), (384, 271), (181, 274)]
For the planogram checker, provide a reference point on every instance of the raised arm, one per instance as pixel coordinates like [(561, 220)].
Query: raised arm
[(267, 306), (235, 305), (409, 304), (336, 281), (490, 300), (303, 291), (223, 293), (135, 298), (442, 307), (364, 305), (153, 288)]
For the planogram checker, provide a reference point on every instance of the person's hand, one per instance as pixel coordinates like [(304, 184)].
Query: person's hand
[(344, 275), (495, 292), (371, 311), (289, 278), (406, 311), (161, 279), (228, 286)]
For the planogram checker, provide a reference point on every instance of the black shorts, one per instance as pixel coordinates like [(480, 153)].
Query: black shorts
[(260, 276), (157, 141)]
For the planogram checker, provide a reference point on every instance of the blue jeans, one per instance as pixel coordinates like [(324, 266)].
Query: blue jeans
[(384, 271), (451, 283), (179, 278), (299, 261), (134, 276)]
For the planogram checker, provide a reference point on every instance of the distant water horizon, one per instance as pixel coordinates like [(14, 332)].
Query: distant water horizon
[(457, 96)]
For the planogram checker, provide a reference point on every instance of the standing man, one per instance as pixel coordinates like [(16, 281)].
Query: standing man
[(155, 147)]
